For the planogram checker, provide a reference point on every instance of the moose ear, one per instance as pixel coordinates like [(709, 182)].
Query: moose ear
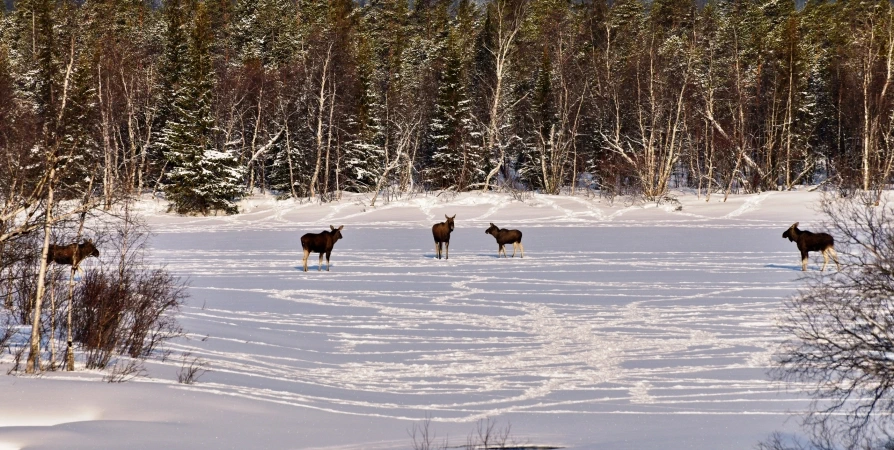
[(446, 216), (492, 224), (341, 227), (332, 227), (795, 225), (454, 216)]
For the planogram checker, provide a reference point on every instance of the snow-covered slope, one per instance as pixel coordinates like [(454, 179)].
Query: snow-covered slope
[(624, 327)]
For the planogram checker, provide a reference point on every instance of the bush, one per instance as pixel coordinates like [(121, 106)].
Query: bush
[(840, 331), (127, 308), (122, 306), (127, 313)]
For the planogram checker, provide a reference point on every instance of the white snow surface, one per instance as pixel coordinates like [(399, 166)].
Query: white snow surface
[(624, 327)]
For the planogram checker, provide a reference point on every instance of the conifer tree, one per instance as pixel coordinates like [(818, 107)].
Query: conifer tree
[(35, 56), (379, 60), (265, 30), (201, 178), (452, 163)]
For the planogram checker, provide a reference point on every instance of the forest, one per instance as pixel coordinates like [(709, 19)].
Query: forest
[(207, 101)]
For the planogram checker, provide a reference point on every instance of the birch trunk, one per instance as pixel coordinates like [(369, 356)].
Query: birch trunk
[(329, 138), (506, 34), (321, 111), (33, 364)]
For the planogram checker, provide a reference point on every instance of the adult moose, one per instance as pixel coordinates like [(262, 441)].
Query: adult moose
[(504, 237), (812, 242), (320, 243), (71, 254), (441, 232)]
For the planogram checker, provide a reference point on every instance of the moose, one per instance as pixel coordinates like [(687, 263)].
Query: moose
[(812, 242), (320, 243), (71, 254), (441, 231), (504, 237)]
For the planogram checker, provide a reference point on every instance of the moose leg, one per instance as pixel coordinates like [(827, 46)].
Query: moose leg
[(437, 250), (803, 261), (521, 249), (834, 255), (320, 266), (306, 255), (447, 250), (328, 264), (825, 260), (514, 247)]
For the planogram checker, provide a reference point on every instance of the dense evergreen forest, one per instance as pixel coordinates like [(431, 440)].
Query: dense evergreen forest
[(206, 101)]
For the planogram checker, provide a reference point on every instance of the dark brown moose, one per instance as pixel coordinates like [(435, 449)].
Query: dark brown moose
[(504, 237), (320, 243), (812, 242), (71, 254), (441, 232)]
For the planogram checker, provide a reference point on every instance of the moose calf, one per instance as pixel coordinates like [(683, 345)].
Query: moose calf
[(71, 254), (812, 242), (320, 243), (506, 237), (441, 232)]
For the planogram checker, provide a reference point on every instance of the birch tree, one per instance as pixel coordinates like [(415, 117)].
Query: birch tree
[(503, 23)]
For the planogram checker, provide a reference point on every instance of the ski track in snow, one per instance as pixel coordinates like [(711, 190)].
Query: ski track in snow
[(399, 334)]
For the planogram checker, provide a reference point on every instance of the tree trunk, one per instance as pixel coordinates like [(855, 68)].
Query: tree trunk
[(33, 364), (289, 158), (321, 109), (506, 33), (329, 138)]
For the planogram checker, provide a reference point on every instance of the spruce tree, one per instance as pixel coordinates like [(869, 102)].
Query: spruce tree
[(201, 179), (265, 31), (378, 59), (35, 57), (445, 130), (453, 161)]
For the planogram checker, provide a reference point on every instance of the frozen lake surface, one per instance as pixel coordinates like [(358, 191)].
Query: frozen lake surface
[(624, 327)]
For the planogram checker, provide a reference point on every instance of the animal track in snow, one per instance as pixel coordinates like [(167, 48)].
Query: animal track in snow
[(577, 328)]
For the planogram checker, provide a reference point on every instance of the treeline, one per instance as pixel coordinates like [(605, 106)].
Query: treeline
[(210, 100)]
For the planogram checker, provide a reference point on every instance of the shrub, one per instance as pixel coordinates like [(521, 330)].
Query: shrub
[(127, 308), (840, 331)]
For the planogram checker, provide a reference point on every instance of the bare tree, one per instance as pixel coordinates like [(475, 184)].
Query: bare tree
[(873, 44), (52, 149), (488, 436), (325, 76), (508, 18), (405, 130), (840, 330), (424, 437)]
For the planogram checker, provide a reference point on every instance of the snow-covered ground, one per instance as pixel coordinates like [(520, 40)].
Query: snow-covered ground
[(624, 327)]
